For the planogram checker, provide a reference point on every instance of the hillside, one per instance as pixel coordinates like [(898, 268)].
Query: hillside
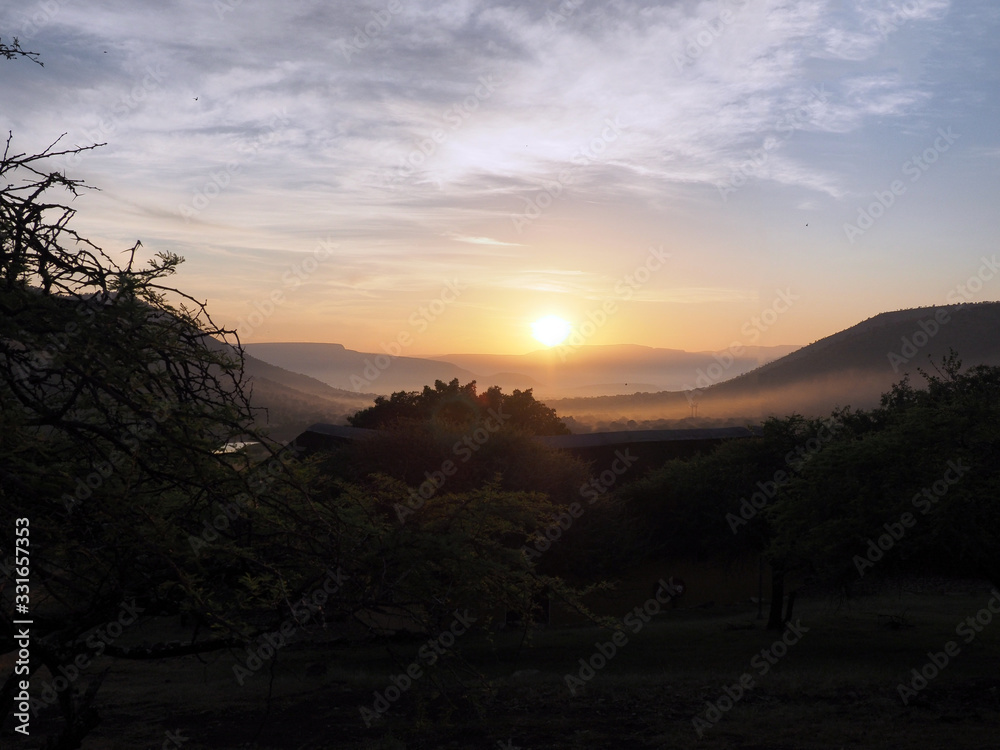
[(357, 372), (555, 372), (609, 370), (291, 401), (852, 367)]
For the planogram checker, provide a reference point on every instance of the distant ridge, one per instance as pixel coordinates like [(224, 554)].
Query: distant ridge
[(852, 367), (357, 372), (886, 346), (595, 370), (258, 370), (288, 401), (586, 370)]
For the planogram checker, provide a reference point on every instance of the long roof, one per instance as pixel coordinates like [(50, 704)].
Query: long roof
[(621, 437), (570, 442)]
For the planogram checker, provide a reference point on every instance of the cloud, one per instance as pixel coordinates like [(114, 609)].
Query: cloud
[(411, 132), (694, 84), (481, 240)]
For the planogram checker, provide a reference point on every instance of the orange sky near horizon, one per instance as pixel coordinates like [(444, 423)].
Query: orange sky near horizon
[(469, 167)]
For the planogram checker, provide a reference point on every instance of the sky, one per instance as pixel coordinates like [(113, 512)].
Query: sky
[(428, 177)]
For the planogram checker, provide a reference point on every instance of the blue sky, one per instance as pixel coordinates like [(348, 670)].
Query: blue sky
[(447, 172)]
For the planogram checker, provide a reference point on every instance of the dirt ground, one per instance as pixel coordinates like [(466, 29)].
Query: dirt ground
[(833, 685)]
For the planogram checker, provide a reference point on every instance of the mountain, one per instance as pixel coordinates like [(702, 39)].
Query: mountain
[(852, 367), (358, 372), (291, 401), (259, 370), (560, 371), (610, 370)]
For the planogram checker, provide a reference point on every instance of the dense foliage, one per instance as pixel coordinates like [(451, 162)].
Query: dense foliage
[(459, 407), (910, 487), (118, 395)]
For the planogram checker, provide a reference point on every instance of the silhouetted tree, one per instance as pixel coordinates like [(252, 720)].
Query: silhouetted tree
[(713, 506), (117, 394), (456, 407), (914, 492), (14, 50)]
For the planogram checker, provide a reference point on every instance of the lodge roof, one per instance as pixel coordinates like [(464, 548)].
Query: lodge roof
[(628, 437), (318, 435)]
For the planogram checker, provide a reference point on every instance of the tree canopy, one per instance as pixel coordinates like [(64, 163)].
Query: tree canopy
[(910, 487), (14, 50), (117, 395), (456, 407)]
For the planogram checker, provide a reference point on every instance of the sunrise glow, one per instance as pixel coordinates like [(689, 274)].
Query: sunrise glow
[(456, 167), (551, 330)]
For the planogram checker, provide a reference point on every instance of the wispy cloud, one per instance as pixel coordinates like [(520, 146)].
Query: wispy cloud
[(349, 120), (411, 136), (482, 241)]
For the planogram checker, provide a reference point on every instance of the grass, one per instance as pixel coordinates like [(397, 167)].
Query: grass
[(835, 688)]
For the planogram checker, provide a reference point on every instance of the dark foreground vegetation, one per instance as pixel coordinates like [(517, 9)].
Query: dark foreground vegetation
[(181, 596), (837, 687)]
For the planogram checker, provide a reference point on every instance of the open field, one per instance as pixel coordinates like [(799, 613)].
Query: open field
[(836, 687)]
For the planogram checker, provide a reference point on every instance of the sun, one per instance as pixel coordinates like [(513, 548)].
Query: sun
[(551, 330)]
